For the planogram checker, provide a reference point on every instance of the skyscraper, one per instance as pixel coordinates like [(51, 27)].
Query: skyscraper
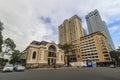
[(95, 23), (70, 30)]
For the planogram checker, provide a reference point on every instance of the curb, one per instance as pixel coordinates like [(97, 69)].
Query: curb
[(54, 68)]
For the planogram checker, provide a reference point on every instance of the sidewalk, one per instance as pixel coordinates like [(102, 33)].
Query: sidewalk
[(53, 68)]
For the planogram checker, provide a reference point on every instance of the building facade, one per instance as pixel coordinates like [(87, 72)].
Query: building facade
[(42, 54), (94, 47), (95, 23), (69, 33), (71, 30)]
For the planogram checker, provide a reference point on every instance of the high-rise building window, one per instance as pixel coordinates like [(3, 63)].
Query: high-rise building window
[(95, 23)]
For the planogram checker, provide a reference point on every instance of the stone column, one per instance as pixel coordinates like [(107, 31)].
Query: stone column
[(38, 56), (42, 55), (29, 54), (57, 56), (50, 61), (46, 55)]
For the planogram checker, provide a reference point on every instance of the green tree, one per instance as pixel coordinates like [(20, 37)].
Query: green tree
[(118, 49), (15, 56), (3, 62), (1, 37), (115, 55), (9, 46), (66, 47)]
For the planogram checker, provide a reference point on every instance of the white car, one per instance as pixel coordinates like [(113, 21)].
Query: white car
[(112, 66), (19, 68), (8, 67)]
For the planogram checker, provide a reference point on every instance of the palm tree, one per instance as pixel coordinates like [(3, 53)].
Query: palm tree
[(67, 48)]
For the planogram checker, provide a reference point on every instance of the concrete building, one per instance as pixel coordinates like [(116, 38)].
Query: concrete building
[(42, 54), (95, 23), (70, 32), (94, 47)]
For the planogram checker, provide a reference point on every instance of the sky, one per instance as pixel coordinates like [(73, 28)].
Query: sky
[(28, 20)]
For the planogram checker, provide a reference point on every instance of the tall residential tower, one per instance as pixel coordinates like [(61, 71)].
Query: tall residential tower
[(70, 32), (95, 23)]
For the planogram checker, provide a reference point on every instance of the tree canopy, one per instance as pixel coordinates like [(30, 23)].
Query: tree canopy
[(115, 55), (1, 37), (66, 47), (15, 56), (9, 46), (1, 26)]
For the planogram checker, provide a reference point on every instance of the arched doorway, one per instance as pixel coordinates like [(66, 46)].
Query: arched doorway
[(51, 55)]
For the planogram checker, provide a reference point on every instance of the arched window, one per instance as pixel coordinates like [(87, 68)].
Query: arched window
[(52, 48), (52, 55), (34, 55)]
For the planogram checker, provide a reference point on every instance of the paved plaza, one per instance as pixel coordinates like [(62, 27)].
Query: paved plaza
[(64, 74)]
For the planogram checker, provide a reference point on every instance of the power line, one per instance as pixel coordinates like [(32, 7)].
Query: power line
[(6, 33)]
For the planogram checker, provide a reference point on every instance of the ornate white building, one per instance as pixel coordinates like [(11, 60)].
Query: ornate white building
[(41, 54)]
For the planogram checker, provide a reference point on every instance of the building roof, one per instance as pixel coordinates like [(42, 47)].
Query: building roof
[(39, 43), (92, 13), (70, 19), (92, 34), (75, 16)]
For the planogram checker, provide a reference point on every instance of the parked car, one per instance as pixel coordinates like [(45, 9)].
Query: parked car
[(8, 67), (19, 68), (65, 65), (112, 66)]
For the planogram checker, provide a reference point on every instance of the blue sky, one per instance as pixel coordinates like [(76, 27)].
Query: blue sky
[(27, 20)]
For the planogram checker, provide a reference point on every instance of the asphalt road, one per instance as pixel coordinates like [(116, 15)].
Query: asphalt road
[(64, 74)]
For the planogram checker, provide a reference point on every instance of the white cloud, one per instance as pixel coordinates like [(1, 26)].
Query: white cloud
[(114, 29), (115, 33), (22, 22)]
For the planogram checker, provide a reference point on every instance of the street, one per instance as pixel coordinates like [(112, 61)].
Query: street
[(64, 74)]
